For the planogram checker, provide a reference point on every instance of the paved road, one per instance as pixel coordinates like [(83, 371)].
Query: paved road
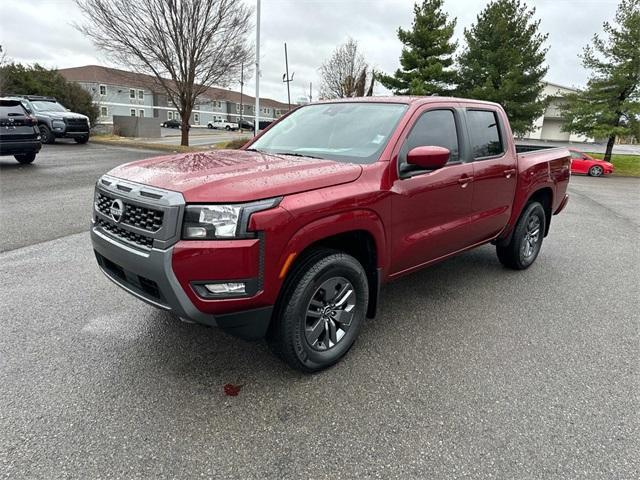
[(197, 136), (469, 370)]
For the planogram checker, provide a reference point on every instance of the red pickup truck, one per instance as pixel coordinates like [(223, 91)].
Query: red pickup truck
[(292, 236)]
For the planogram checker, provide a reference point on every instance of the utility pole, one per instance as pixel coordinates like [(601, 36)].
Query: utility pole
[(285, 77), (310, 92), (256, 125), (241, 91)]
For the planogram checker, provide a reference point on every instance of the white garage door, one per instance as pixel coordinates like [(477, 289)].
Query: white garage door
[(551, 130)]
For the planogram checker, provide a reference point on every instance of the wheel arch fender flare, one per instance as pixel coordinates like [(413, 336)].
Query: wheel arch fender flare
[(322, 230)]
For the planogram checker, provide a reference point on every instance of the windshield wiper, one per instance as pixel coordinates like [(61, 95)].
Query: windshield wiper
[(294, 154)]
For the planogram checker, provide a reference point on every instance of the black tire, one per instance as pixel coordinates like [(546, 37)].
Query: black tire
[(209, 126), (81, 140), (523, 248), (289, 330), (596, 171), (45, 135), (25, 158), (227, 128)]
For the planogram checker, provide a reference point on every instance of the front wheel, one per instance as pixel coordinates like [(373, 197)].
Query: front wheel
[(45, 135), (227, 128), (321, 311), (525, 244), (596, 171), (25, 158)]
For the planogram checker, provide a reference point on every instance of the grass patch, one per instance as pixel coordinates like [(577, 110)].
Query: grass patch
[(233, 144), (625, 165), (127, 142)]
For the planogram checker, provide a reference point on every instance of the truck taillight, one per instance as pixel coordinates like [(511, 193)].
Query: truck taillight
[(29, 120)]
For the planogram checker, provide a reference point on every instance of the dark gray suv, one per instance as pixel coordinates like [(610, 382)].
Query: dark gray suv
[(54, 120)]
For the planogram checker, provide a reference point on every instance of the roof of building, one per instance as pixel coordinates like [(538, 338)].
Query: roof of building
[(114, 76)]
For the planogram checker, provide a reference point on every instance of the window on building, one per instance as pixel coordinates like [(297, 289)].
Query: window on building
[(484, 131), (140, 94), (103, 90), (436, 127), (169, 115), (141, 113), (133, 112), (132, 93), (104, 112)]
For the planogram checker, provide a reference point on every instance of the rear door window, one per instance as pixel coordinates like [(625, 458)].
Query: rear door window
[(484, 134)]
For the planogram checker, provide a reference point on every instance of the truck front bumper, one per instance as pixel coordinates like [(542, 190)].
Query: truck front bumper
[(149, 276)]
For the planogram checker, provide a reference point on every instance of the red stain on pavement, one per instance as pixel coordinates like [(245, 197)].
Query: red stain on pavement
[(232, 390)]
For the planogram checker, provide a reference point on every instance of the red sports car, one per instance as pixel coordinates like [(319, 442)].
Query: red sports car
[(584, 163)]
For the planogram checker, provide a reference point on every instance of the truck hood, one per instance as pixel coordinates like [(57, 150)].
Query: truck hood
[(236, 175), (56, 114)]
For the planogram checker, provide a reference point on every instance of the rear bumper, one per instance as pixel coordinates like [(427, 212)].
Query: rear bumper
[(149, 276), (17, 147)]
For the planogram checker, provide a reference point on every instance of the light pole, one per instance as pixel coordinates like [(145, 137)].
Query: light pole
[(241, 92), (285, 77), (256, 124)]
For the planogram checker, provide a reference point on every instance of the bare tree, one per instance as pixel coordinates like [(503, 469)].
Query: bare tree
[(187, 45), (346, 73), (3, 61)]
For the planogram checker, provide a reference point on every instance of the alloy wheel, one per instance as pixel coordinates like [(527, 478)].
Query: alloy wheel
[(596, 171), (329, 313), (531, 236)]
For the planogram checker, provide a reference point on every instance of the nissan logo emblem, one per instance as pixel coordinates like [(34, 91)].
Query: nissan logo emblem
[(116, 210)]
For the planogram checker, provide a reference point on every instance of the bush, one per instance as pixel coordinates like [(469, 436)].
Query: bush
[(18, 79)]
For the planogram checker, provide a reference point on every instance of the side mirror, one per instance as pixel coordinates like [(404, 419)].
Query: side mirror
[(429, 158)]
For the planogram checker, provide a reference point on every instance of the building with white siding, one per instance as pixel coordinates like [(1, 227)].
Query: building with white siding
[(119, 92)]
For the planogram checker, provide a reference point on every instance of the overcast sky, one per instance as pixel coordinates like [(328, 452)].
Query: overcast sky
[(41, 31)]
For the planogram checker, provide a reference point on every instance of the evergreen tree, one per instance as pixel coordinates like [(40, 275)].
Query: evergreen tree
[(610, 105), (427, 55), (503, 62)]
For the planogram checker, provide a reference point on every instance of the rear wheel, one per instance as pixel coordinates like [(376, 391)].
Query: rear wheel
[(25, 158), (526, 241), (227, 128), (321, 311), (83, 139), (46, 135), (596, 171)]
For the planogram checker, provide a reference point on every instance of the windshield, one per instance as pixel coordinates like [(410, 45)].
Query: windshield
[(44, 106), (350, 132)]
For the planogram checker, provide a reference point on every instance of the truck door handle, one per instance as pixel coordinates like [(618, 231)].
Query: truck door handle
[(508, 173), (464, 181)]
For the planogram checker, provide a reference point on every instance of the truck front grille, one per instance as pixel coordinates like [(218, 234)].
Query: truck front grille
[(76, 124), (125, 235), (134, 215)]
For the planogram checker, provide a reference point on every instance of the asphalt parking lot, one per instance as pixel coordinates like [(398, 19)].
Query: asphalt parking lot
[(468, 371)]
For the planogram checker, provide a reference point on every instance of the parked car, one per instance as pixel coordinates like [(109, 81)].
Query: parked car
[(54, 120), (19, 134), (584, 163), (222, 125), (172, 124), (292, 236), (245, 125)]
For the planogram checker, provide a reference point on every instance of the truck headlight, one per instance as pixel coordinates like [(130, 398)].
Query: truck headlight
[(57, 123), (214, 222)]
